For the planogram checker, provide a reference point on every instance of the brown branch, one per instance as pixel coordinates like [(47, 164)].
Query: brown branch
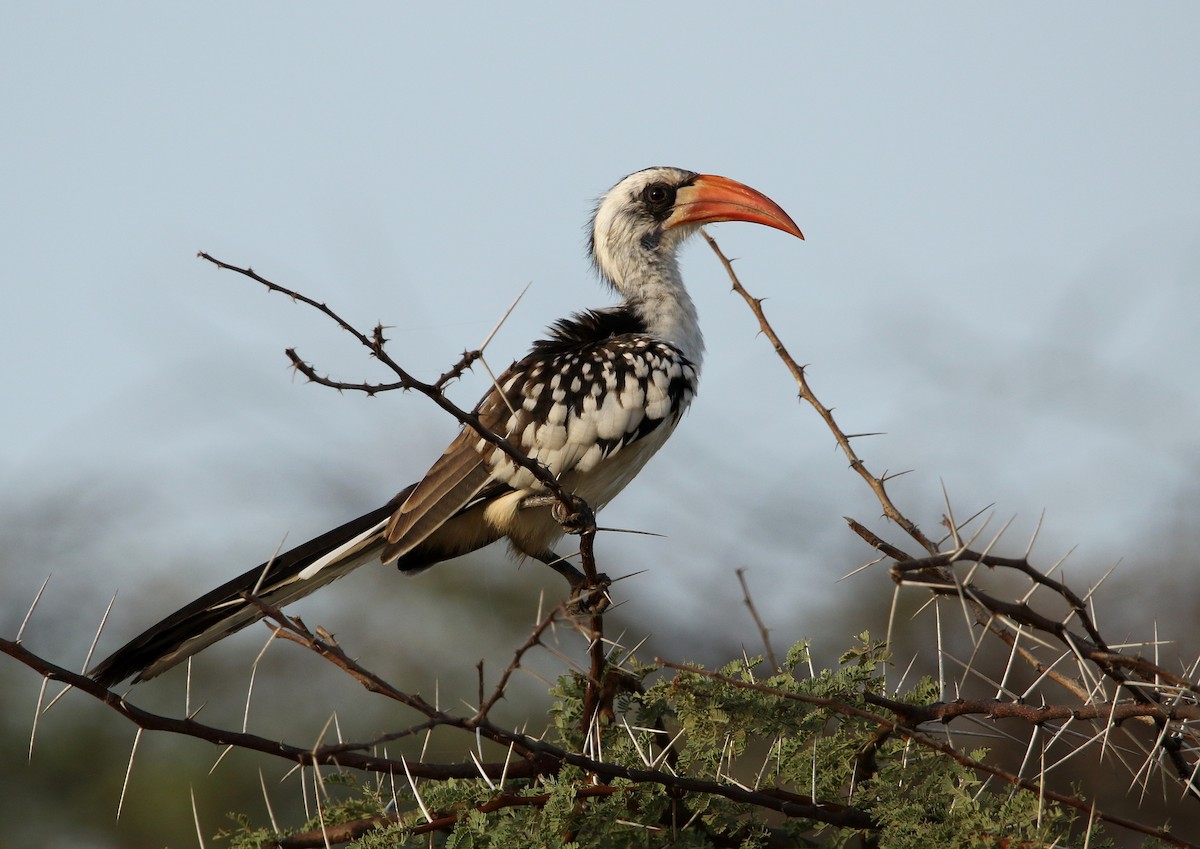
[(872, 539), (912, 715), (1020, 564), (534, 639), (763, 632), (543, 759), (1093, 646), (1143, 680), (375, 343), (252, 742), (875, 483)]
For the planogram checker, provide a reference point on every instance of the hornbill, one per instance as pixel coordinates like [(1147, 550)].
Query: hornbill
[(592, 402)]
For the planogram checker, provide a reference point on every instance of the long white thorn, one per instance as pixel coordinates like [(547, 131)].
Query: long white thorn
[(777, 743), (261, 652), (1088, 595), (636, 745), (814, 774), (196, 817), (482, 772), (220, 758), (37, 713), (1037, 529), (1060, 561), (978, 644), (904, 677), (187, 691), (661, 756), (1080, 662), (629, 654), (267, 801), (496, 384), (1077, 748), (249, 695), (508, 312), (862, 568), (320, 741), (319, 782), (29, 613), (57, 696), (1034, 734), (1012, 656), (941, 653), (394, 804), (128, 771), (91, 650), (1189, 786), (953, 525), (891, 623), (267, 566), (507, 761), (1157, 660), (413, 786), (1107, 729)]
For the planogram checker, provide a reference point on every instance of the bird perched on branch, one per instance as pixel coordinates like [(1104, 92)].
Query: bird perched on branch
[(593, 402)]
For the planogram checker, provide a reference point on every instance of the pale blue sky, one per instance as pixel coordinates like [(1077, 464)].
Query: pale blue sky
[(1000, 273)]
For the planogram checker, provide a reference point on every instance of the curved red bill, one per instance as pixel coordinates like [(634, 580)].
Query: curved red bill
[(711, 198)]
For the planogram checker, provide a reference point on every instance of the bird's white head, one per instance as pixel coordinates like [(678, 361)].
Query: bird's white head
[(638, 227)]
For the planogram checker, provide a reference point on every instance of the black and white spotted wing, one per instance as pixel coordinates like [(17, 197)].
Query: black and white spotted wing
[(592, 403)]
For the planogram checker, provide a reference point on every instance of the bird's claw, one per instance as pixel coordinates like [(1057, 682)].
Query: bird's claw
[(589, 598), (578, 519)]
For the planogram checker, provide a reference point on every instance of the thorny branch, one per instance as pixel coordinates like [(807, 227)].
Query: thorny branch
[(876, 484), (538, 758), (375, 343), (1154, 689), (1144, 691), (898, 727)]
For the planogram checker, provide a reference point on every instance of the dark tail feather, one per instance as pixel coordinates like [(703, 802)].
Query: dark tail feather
[(223, 611)]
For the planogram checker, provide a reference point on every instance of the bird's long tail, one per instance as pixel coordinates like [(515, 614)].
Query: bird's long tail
[(223, 611)]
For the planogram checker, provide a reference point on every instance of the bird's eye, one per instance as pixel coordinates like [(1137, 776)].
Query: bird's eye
[(658, 197)]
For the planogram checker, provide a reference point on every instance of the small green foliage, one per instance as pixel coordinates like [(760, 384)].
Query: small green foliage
[(798, 657), (245, 836), (791, 735)]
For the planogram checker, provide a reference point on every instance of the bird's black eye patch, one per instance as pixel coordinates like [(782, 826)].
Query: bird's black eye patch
[(659, 198)]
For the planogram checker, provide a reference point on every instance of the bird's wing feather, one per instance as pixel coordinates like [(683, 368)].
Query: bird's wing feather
[(576, 400), (457, 477)]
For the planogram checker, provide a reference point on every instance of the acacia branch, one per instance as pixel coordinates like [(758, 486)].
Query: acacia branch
[(898, 727), (797, 371), (375, 344), (1147, 683), (542, 758), (933, 570)]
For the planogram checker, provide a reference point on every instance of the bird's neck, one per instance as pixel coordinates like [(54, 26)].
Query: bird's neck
[(654, 291)]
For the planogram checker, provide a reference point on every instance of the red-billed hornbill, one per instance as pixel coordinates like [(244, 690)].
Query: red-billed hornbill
[(593, 403)]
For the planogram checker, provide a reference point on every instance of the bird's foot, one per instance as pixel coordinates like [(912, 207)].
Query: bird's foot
[(588, 598), (578, 519)]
